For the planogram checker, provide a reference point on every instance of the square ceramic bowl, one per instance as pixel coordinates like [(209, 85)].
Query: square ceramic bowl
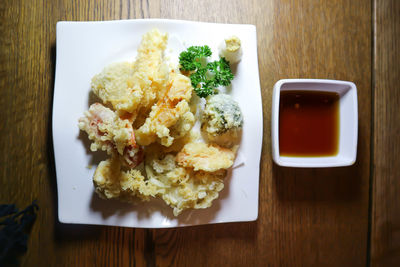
[(348, 123)]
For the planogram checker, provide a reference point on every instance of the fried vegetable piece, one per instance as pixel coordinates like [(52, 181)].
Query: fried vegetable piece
[(205, 157), (181, 188), (222, 120), (111, 182)]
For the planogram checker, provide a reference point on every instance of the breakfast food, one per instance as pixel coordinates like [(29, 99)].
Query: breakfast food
[(146, 121)]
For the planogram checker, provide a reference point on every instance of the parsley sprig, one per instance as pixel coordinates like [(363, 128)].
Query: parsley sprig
[(205, 77), (191, 58)]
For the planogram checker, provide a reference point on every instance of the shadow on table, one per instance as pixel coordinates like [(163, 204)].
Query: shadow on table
[(317, 184), (340, 184)]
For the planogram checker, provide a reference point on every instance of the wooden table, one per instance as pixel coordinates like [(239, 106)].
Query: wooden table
[(307, 217)]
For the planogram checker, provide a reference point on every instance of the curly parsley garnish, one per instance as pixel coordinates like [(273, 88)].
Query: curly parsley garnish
[(205, 78), (190, 59)]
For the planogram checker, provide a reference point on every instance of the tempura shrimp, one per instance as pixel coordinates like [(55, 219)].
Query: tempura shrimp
[(112, 134), (170, 117)]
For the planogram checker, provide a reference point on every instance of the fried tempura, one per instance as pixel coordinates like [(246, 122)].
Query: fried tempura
[(111, 134), (180, 188), (170, 118), (132, 87), (148, 119), (206, 157)]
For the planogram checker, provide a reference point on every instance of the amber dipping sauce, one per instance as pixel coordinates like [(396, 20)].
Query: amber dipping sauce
[(308, 123)]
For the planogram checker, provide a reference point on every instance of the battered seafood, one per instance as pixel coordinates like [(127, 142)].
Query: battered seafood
[(110, 133), (170, 108), (133, 87)]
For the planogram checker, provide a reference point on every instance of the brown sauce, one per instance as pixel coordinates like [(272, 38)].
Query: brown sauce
[(308, 123)]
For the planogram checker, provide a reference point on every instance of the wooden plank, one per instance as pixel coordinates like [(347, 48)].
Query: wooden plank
[(385, 230), (307, 217)]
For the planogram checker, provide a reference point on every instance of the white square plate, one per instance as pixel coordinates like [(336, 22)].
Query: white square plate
[(84, 49)]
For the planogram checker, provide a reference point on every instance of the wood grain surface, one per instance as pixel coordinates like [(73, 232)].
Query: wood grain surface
[(307, 217), (385, 239)]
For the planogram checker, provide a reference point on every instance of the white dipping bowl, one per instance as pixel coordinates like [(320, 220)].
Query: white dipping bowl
[(348, 125)]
